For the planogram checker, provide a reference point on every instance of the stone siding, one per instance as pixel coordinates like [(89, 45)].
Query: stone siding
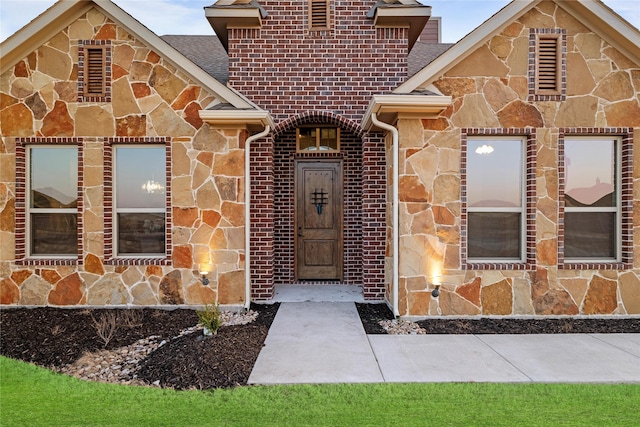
[(490, 91), (151, 101)]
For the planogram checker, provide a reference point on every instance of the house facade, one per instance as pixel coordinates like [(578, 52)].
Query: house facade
[(334, 145)]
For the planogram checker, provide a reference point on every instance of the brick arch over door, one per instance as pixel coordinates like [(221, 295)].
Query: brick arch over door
[(319, 117), (272, 179), (363, 156)]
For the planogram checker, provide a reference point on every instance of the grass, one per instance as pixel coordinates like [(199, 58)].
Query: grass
[(32, 396)]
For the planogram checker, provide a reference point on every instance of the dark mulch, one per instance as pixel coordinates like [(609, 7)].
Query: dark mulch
[(371, 314), (53, 337)]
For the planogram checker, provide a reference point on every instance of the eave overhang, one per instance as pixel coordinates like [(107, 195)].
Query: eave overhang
[(62, 13), (224, 15), (253, 120), (390, 108), (413, 17)]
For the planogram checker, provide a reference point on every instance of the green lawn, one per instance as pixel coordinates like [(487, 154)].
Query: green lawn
[(32, 396)]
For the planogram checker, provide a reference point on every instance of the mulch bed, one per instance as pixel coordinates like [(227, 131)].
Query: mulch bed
[(53, 337), (371, 314)]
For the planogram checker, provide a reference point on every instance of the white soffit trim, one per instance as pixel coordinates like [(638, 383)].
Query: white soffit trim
[(469, 43), (607, 24), (172, 55), (58, 16), (390, 107), (237, 118), (39, 31), (592, 13)]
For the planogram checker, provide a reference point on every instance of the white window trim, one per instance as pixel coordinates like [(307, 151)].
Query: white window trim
[(116, 210), (29, 210), (617, 209), (523, 202)]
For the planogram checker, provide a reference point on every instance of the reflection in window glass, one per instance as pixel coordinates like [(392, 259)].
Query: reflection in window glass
[(140, 180), (318, 139), (53, 201), (590, 196), (495, 199)]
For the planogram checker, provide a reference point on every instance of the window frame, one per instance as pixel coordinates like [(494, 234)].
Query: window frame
[(113, 257), (521, 209), (527, 259), (23, 245), (621, 181), (318, 139)]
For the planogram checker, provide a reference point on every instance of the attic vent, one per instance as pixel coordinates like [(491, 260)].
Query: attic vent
[(94, 73), (94, 70), (318, 15), (548, 64)]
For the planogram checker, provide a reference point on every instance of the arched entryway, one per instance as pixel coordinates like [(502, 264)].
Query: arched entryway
[(357, 170)]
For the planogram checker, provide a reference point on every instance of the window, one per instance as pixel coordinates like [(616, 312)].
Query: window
[(318, 15), (94, 71), (495, 199), (140, 201), (547, 64), (318, 139), (52, 201), (592, 200)]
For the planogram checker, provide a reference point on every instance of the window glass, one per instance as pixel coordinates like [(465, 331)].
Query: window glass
[(328, 139), (53, 201), (140, 178), (307, 139), (318, 139), (495, 199), (494, 173), (590, 196)]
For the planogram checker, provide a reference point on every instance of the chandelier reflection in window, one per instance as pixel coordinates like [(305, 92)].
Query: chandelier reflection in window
[(153, 187)]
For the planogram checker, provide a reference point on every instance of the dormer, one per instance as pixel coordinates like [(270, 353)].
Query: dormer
[(401, 14), (227, 14)]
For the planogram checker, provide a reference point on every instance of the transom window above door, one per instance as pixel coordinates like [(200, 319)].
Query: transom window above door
[(317, 139)]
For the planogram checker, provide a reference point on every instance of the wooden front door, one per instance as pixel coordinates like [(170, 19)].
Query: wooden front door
[(319, 220)]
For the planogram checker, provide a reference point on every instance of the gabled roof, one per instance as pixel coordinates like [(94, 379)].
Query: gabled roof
[(206, 52), (594, 14), (64, 12)]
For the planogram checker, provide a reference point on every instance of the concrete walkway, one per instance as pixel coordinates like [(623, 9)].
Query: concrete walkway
[(324, 342)]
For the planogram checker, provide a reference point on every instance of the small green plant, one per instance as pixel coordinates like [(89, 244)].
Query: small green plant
[(209, 318)]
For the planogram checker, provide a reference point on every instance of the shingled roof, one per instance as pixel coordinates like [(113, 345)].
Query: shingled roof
[(207, 53), (204, 51)]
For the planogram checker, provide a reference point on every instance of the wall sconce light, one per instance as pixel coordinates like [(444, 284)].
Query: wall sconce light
[(436, 292), (204, 270)]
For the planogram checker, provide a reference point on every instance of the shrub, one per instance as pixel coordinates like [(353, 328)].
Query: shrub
[(210, 319)]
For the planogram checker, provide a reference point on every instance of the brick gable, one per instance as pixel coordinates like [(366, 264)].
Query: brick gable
[(287, 69)]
